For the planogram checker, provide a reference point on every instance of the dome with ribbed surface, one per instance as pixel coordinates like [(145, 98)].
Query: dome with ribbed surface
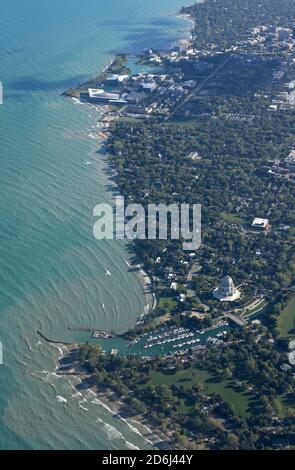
[(227, 290)]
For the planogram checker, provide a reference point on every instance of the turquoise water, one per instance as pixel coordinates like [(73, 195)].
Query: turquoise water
[(52, 271)]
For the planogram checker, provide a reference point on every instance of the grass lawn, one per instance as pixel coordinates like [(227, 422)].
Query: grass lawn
[(160, 320), (287, 319), (167, 302), (288, 401), (242, 402), (252, 311), (232, 219)]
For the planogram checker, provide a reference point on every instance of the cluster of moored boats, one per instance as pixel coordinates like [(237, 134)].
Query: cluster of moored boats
[(221, 334), (170, 336), (187, 343), (177, 334), (165, 336), (218, 339)]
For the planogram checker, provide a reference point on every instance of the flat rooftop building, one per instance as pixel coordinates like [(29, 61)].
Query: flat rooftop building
[(290, 160), (260, 224), (148, 86), (117, 78)]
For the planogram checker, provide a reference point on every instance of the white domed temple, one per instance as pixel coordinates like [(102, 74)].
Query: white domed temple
[(227, 292)]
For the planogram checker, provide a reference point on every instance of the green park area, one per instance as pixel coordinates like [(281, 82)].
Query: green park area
[(165, 306), (167, 303), (242, 402), (233, 219), (287, 319)]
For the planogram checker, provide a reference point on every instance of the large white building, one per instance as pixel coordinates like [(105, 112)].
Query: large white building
[(98, 95), (227, 292), (260, 224)]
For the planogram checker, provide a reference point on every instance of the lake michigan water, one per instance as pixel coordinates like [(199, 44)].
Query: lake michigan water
[(52, 271)]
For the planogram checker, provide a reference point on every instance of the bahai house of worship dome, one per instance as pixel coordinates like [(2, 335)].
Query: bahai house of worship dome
[(227, 292)]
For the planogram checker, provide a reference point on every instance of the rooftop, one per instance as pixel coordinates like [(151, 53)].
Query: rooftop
[(99, 93), (260, 223)]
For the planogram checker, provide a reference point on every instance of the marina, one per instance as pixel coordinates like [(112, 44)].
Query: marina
[(162, 342)]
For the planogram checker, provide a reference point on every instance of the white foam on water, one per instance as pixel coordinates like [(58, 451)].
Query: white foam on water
[(83, 407), (23, 363), (131, 446), (134, 429), (52, 375), (96, 401), (61, 399), (61, 353), (148, 430), (115, 413), (28, 344), (76, 100), (90, 394), (112, 432)]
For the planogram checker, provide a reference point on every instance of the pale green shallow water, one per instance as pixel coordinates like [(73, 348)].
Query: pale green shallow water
[(52, 271)]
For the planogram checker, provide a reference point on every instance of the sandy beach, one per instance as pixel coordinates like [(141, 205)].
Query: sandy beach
[(140, 424), (149, 295)]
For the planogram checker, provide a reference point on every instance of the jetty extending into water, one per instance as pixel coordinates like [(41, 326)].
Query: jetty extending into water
[(53, 341), (95, 333)]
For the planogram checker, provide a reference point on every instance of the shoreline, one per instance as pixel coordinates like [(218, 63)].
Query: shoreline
[(148, 291), (139, 424), (187, 17), (103, 133), (142, 425)]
